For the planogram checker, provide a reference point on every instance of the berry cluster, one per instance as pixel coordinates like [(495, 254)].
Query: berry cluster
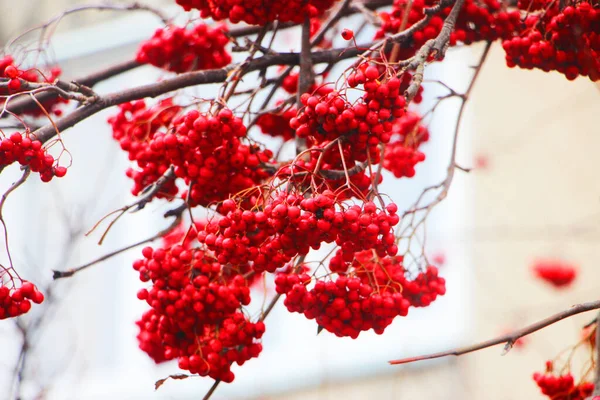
[(28, 151), (18, 302), (402, 154), (562, 387), (362, 125), (133, 127), (370, 296), (9, 70), (555, 272), (206, 150), (255, 12), (567, 40), (290, 225), (195, 311), (181, 49), (477, 21)]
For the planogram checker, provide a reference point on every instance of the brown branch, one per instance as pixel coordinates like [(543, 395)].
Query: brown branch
[(22, 104), (306, 77), (597, 373), (56, 274), (330, 56), (508, 339)]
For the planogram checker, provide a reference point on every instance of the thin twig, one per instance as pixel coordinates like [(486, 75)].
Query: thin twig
[(597, 376), (72, 271)]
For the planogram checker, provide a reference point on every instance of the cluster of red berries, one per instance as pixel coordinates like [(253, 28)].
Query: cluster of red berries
[(402, 154), (290, 225), (567, 40), (362, 125), (388, 273), (555, 272), (195, 311), (9, 70), (258, 12), (562, 387), (206, 150), (19, 301), (278, 124), (27, 151), (477, 21), (181, 49), (133, 127), (370, 296)]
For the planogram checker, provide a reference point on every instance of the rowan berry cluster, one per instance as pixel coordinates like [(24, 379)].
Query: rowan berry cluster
[(15, 74), (18, 301), (255, 12), (369, 296), (27, 151), (402, 154), (565, 40), (555, 272), (194, 315), (206, 149), (182, 49), (133, 127), (362, 125), (562, 387), (477, 21)]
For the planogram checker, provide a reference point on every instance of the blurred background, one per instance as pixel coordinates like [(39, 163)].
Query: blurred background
[(531, 138)]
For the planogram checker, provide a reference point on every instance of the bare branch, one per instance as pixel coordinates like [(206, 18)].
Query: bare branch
[(72, 271), (508, 339), (597, 373)]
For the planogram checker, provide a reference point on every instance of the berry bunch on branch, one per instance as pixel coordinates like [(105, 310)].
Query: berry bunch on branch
[(307, 212)]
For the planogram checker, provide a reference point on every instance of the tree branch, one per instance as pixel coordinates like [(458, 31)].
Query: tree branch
[(597, 376), (508, 339)]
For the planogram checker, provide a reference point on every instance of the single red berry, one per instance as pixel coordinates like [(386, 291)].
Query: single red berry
[(14, 84), (347, 34), (11, 72)]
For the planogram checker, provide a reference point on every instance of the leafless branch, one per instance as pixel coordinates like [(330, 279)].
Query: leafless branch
[(508, 339)]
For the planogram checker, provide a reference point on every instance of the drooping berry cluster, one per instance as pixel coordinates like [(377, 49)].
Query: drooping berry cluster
[(555, 272), (477, 21), (206, 150), (181, 49), (9, 70), (18, 301), (133, 127), (290, 225), (195, 312), (27, 151), (567, 40), (402, 154), (255, 12), (369, 296), (362, 125), (562, 387)]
